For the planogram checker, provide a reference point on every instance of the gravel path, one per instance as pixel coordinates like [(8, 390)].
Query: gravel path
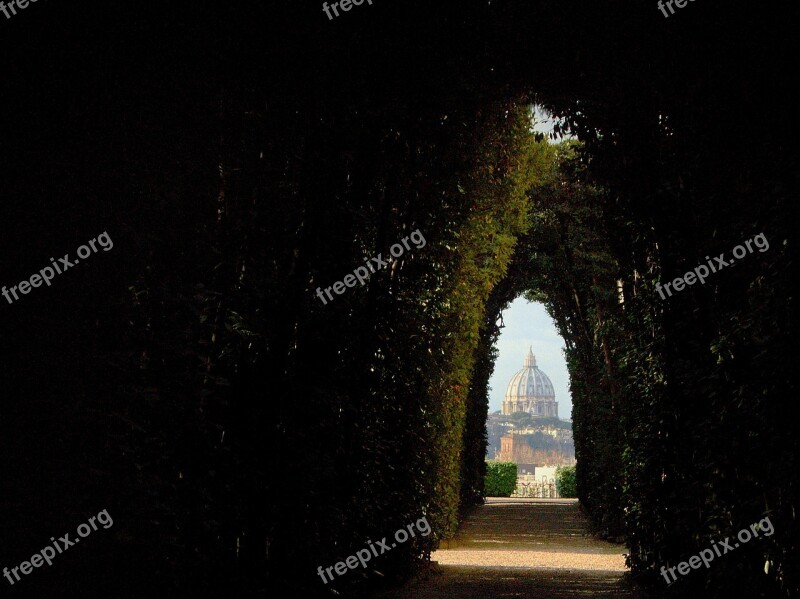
[(522, 548)]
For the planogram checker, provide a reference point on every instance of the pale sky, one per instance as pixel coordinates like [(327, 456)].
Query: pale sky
[(529, 324), (543, 123)]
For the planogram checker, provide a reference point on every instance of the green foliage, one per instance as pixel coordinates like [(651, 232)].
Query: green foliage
[(289, 151), (566, 482), (638, 364), (501, 479), (390, 425)]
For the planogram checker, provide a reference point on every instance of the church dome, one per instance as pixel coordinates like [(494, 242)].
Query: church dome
[(530, 382), (530, 390)]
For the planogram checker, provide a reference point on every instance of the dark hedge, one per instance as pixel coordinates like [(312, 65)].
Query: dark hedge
[(241, 432)]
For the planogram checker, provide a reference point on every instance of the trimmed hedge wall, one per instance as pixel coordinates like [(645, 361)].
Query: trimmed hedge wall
[(501, 479)]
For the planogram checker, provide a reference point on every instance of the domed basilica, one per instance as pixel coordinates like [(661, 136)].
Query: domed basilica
[(530, 390)]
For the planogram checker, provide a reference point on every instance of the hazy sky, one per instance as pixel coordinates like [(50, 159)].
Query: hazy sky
[(528, 324), (544, 122)]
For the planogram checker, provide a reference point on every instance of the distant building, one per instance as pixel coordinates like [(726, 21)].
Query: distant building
[(497, 426), (538, 482), (529, 432), (531, 391), (536, 450)]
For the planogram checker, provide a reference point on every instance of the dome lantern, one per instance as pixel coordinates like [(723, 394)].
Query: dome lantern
[(530, 359)]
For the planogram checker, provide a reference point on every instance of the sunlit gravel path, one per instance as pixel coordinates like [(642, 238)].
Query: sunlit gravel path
[(523, 548)]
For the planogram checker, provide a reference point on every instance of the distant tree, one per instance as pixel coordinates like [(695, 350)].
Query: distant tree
[(521, 419), (501, 479), (565, 481), (552, 421)]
